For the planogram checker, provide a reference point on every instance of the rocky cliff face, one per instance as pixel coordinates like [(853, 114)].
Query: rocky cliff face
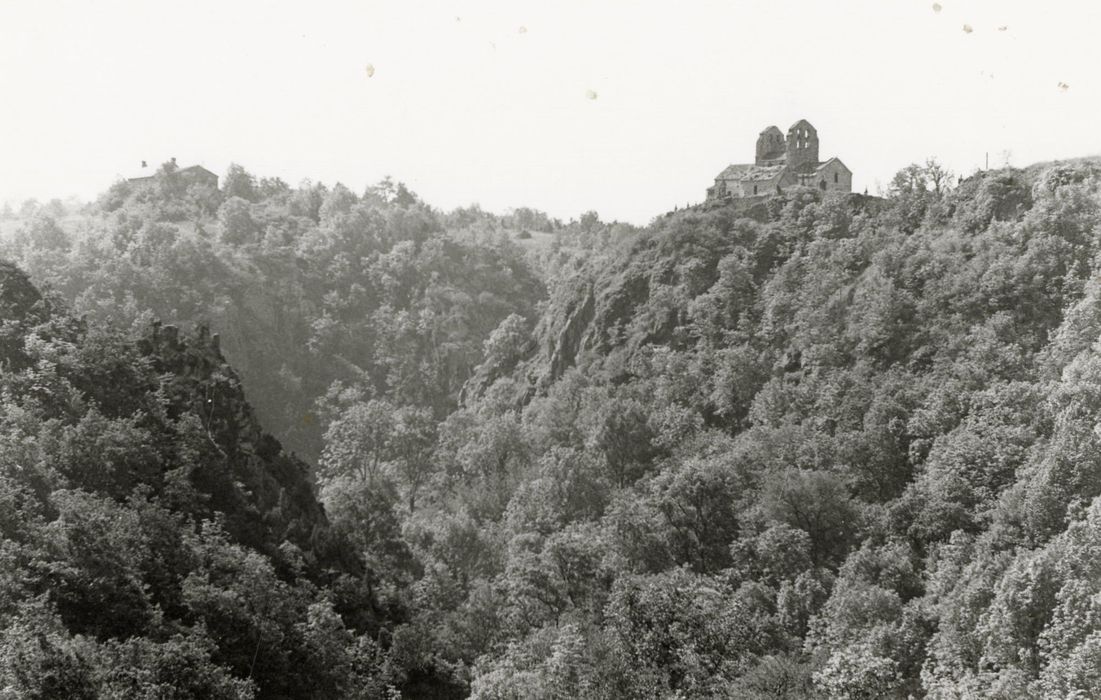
[(595, 322), (574, 333), (21, 306), (17, 295), (266, 490), (178, 390)]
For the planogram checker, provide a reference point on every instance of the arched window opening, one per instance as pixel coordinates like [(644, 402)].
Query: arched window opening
[(835, 177)]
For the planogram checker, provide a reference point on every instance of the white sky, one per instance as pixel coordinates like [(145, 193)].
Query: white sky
[(490, 102)]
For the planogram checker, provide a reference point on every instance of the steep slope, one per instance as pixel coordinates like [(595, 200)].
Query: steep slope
[(829, 446), (865, 430), (153, 536)]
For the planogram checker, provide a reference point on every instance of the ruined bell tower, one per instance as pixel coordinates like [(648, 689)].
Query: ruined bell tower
[(770, 146), (802, 144), (782, 161)]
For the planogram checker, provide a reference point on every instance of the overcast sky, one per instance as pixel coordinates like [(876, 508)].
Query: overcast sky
[(628, 108)]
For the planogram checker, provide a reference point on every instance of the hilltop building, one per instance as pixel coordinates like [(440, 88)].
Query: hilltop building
[(782, 162), (192, 174)]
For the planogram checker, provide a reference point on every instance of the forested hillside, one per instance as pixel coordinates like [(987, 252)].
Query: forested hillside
[(829, 447)]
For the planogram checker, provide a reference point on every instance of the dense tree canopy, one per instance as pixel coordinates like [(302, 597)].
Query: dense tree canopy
[(830, 446)]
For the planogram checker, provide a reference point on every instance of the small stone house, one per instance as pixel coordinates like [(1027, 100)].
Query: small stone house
[(782, 162), (192, 174)]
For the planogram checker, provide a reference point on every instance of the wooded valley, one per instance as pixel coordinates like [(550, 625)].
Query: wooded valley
[(302, 442)]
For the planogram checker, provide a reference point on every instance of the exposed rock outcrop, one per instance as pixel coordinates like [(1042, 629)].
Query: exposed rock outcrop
[(18, 296), (569, 340), (260, 478)]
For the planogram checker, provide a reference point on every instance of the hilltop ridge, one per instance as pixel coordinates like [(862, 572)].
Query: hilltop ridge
[(835, 444)]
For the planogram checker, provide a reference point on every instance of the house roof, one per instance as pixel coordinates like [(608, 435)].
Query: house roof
[(812, 168), (189, 170), (750, 172), (195, 169), (806, 168), (831, 160)]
